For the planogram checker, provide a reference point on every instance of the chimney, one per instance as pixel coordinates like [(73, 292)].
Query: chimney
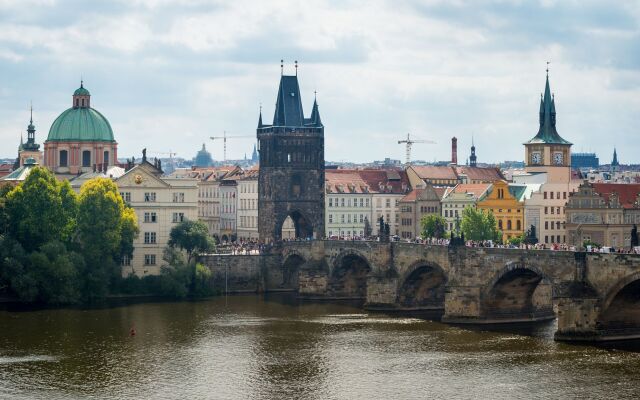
[(454, 151)]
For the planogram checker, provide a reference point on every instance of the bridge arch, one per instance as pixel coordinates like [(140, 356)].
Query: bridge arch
[(348, 277), (422, 286), (620, 310), (291, 268), (518, 292)]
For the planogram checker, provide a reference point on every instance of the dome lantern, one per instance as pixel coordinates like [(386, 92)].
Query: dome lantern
[(81, 97)]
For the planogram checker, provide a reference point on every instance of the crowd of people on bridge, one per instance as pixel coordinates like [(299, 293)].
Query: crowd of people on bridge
[(254, 247)]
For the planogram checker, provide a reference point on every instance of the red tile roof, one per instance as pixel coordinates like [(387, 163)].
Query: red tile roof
[(477, 189), (480, 174), (366, 181), (627, 193), (435, 172)]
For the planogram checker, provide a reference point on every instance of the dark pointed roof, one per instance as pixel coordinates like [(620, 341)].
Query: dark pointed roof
[(614, 162), (260, 125), (289, 105), (547, 133), (315, 115)]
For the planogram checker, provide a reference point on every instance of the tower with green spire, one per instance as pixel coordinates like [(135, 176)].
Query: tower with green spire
[(547, 151), (30, 149)]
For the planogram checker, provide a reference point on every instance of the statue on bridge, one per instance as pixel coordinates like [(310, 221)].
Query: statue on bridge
[(531, 238)]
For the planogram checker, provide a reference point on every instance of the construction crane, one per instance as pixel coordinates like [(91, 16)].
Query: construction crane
[(409, 142), (224, 138)]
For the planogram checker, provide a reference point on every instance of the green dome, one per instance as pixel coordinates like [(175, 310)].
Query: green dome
[(82, 125), (81, 91)]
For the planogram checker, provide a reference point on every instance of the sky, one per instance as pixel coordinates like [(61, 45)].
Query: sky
[(170, 74)]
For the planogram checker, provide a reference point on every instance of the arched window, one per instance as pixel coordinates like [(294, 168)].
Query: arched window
[(86, 158), (105, 159), (63, 158), (77, 103), (82, 102), (509, 225), (518, 226), (500, 224)]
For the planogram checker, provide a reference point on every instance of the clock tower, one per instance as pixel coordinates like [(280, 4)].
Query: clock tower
[(547, 151)]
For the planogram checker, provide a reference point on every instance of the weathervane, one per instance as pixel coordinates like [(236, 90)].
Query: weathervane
[(548, 62)]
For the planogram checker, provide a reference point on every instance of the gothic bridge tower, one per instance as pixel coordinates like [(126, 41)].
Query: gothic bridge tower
[(291, 177)]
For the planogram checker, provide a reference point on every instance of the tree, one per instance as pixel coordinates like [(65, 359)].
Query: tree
[(106, 229), (41, 210), (433, 226), (479, 225), (192, 237)]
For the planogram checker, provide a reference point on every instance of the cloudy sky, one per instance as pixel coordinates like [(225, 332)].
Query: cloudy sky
[(169, 74)]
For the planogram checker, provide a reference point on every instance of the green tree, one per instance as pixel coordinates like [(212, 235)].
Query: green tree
[(517, 240), (479, 225), (433, 226), (106, 229), (40, 210), (192, 237)]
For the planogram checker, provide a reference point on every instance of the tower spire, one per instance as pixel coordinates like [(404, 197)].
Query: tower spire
[(281, 67)]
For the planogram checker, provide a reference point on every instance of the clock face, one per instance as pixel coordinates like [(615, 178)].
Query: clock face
[(557, 158), (536, 158)]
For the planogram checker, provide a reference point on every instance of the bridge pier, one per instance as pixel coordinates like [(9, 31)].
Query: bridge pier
[(382, 293), (577, 320)]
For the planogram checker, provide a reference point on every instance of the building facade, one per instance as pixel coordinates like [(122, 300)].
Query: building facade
[(603, 213), (413, 207), (291, 178), (506, 203), (80, 139), (348, 204), (456, 199), (160, 203)]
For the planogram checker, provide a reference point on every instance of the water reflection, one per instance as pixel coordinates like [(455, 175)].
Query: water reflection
[(278, 347)]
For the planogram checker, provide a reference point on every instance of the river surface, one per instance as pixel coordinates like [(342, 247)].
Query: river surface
[(252, 347)]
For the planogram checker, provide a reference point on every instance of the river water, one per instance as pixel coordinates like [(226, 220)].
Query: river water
[(252, 347)]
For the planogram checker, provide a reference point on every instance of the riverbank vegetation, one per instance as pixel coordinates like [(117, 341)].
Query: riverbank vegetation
[(59, 247)]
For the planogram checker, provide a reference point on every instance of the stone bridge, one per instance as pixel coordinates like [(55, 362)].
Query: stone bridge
[(593, 296)]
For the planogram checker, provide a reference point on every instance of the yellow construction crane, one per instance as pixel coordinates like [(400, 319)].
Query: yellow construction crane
[(409, 142), (224, 138)]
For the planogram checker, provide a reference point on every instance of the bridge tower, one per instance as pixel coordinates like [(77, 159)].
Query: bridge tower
[(291, 177)]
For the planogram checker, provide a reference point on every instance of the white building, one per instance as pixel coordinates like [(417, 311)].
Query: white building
[(456, 199), (248, 205), (159, 203)]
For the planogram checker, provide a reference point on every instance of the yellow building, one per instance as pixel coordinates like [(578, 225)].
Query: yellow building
[(506, 202)]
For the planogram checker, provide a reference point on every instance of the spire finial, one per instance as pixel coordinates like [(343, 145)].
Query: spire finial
[(81, 81), (548, 62), (281, 67), (296, 63), (31, 109), (315, 95)]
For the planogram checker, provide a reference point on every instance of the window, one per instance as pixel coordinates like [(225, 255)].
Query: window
[(349, 218), (558, 239), (126, 196), (125, 261), (551, 195), (546, 210), (342, 202), (105, 158), (552, 210), (330, 219), (342, 218), (367, 202), (149, 237), (361, 218), (150, 217), (177, 217), (544, 195), (546, 224), (564, 195), (518, 225), (509, 225), (149, 197), (149, 259), (388, 203), (86, 158), (500, 224), (178, 197), (558, 225), (330, 202), (63, 158), (546, 239), (361, 202)]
